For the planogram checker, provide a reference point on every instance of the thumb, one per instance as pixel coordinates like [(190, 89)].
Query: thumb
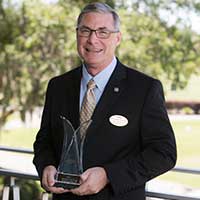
[(84, 176), (51, 178)]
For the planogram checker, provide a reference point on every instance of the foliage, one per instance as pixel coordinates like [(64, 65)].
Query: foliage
[(167, 53), (28, 188), (36, 44), (37, 41)]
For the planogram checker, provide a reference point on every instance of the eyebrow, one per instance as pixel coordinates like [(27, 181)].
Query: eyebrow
[(100, 28)]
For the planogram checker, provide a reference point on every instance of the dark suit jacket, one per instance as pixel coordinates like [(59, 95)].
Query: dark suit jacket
[(132, 154)]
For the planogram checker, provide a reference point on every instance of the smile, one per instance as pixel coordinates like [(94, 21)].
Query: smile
[(93, 50)]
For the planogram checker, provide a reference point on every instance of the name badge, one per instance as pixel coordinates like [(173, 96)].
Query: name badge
[(118, 120)]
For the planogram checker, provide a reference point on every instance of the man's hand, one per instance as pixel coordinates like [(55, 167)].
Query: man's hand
[(48, 180), (92, 181)]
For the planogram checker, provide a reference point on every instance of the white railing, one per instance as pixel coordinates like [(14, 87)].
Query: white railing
[(14, 191)]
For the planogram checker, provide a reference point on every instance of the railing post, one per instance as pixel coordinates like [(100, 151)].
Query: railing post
[(11, 189), (11, 192), (14, 189), (6, 191), (45, 196)]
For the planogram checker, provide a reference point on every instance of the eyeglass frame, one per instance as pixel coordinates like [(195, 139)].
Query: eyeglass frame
[(96, 32)]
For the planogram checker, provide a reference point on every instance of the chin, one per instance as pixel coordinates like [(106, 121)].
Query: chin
[(92, 64), (92, 61)]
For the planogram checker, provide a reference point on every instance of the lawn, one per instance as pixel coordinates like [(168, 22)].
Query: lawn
[(191, 92), (19, 137), (187, 138)]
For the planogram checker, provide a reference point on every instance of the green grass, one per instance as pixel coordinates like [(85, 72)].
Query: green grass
[(19, 137), (187, 138), (188, 150), (191, 92), (188, 180)]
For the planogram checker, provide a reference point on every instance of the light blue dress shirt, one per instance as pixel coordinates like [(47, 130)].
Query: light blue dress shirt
[(101, 79)]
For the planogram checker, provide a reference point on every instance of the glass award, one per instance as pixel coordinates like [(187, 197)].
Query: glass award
[(71, 163)]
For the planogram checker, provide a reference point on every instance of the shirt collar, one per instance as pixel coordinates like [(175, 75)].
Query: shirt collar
[(102, 77)]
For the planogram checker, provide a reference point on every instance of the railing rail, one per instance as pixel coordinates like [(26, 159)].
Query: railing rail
[(169, 196), (18, 174), (16, 149), (29, 151), (22, 175), (186, 170)]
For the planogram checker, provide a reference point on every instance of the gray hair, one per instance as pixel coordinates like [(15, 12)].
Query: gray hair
[(100, 8)]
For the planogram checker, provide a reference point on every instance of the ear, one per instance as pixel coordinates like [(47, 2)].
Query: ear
[(76, 34), (118, 38)]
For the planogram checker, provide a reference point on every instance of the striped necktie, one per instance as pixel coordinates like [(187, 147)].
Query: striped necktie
[(88, 105)]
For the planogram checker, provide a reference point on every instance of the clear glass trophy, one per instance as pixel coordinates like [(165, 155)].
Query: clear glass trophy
[(71, 163)]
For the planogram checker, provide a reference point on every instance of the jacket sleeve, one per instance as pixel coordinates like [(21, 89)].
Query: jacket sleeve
[(158, 152), (43, 153)]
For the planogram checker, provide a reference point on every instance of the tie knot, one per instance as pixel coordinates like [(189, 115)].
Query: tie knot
[(91, 84)]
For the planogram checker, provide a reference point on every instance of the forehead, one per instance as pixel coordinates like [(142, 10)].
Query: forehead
[(97, 20)]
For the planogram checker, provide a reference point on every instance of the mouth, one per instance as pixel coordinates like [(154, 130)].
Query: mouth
[(93, 50)]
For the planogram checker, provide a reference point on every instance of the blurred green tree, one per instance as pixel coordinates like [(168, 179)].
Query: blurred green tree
[(37, 41), (82, 3), (166, 52)]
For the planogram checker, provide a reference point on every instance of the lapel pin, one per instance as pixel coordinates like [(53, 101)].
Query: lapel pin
[(116, 89)]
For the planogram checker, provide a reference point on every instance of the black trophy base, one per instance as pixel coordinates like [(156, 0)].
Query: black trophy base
[(67, 181)]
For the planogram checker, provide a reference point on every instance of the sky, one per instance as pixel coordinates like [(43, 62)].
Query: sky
[(195, 23), (189, 17)]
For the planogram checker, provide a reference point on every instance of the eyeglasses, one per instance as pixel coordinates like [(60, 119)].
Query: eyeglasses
[(100, 33)]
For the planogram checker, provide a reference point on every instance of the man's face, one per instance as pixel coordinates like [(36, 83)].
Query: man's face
[(96, 52)]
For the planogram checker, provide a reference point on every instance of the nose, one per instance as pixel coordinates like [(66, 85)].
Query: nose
[(92, 37)]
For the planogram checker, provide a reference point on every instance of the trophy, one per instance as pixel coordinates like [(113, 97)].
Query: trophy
[(71, 163)]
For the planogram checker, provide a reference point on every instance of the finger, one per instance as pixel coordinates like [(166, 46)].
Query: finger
[(76, 191), (58, 190), (85, 176), (50, 178), (44, 181), (81, 190)]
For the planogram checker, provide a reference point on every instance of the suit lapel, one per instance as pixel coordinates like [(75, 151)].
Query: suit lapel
[(112, 91)]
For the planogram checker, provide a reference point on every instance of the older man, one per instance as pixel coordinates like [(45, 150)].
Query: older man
[(130, 139)]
